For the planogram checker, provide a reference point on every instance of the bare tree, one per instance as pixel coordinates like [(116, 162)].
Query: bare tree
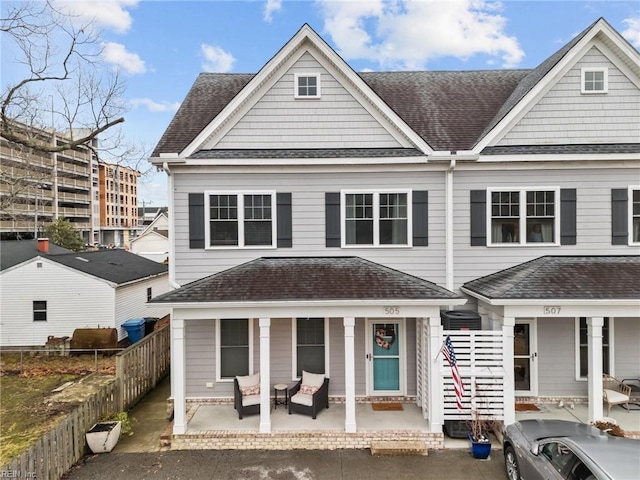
[(58, 61)]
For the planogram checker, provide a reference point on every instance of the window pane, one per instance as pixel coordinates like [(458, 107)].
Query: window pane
[(224, 233), (234, 347), (359, 219), (504, 231), (393, 232), (310, 345), (258, 233)]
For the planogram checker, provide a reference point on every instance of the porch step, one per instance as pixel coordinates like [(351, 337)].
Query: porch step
[(398, 447)]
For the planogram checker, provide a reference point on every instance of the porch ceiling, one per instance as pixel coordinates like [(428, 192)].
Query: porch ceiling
[(293, 279), (611, 278)]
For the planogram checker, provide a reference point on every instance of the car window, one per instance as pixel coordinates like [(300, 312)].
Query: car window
[(559, 456), (580, 471)]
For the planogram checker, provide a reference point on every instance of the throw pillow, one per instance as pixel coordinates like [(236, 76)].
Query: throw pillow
[(252, 390), (313, 379), (308, 389)]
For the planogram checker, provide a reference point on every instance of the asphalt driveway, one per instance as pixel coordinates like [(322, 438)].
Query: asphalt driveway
[(290, 465)]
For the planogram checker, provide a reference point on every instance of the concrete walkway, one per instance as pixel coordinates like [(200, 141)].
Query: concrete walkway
[(150, 421)]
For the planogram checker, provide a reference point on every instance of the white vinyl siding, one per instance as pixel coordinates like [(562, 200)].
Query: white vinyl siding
[(278, 120), (566, 116), (308, 214)]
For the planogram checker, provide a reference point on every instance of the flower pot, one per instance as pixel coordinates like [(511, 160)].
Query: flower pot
[(103, 436), (480, 449)]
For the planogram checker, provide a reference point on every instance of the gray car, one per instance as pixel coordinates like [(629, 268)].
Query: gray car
[(558, 449)]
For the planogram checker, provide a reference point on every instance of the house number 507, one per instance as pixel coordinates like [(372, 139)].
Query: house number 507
[(392, 310), (552, 310)]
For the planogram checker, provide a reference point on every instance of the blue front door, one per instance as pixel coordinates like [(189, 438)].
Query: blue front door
[(385, 357)]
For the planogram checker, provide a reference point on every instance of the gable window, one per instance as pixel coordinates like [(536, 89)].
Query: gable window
[(523, 216), (594, 80), (307, 85), (309, 341), (376, 218), (635, 215), (582, 347), (234, 347), (39, 310), (240, 219)]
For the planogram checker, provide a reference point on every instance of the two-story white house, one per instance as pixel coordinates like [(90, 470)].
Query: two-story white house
[(322, 219)]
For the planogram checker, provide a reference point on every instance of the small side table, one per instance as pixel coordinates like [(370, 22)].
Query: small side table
[(282, 388)]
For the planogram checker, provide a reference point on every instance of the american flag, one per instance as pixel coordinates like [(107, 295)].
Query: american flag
[(447, 349)]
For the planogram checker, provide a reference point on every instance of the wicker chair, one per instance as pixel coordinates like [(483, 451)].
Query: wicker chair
[(247, 404), (615, 392), (308, 404)]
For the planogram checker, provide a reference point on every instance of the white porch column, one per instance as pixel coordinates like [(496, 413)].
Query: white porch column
[(509, 393), (349, 374), (436, 394), (495, 321), (594, 353), (178, 381), (265, 377)]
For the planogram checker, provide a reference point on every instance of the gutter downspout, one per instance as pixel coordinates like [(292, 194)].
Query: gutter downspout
[(449, 225), (172, 231)]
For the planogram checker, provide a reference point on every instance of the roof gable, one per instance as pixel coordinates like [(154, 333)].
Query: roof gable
[(541, 79)]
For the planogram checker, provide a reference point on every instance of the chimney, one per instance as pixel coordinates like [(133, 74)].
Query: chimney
[(43, 245)]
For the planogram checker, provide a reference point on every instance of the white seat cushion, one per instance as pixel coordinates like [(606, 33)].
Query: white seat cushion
[(615, 397), (248, 400), (302, 399), (312, 379)]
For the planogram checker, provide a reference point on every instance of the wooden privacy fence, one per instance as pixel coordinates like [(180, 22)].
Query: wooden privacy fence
[(138, 370), (139, 367)]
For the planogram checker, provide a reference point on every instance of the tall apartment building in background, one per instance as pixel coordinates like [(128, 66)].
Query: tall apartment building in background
[(38, 187), (118, 187)]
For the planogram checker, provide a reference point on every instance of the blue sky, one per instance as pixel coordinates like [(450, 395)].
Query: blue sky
[(161, 46)]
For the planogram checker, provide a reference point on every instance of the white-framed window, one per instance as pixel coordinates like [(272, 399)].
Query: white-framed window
[(310, 346), (39, 310), (594, 80), (634, 214), (234, 348), (582, 360), (240, 219), (306, 85), (376, 218), (524, 216), (149, 294)]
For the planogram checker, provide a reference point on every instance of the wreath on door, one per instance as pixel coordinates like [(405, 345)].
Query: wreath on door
[(381, 338)]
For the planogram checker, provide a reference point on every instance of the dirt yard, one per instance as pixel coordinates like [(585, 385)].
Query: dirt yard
[(28, 405)]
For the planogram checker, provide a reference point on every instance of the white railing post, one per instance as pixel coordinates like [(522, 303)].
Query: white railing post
[(349, 374), (436, 392), (265, 377), (508, 381)]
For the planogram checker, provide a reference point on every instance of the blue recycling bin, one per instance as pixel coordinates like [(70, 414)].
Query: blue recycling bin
[(135, 329)]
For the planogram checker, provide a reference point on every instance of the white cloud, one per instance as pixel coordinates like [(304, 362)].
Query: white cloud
[(117, 54), (153, 106), (632, 32), (111, 15), (216, 59), (271, 7), (406, 34)]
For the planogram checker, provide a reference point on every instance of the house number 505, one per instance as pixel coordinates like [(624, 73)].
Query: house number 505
[(552, 310), (392, 310)]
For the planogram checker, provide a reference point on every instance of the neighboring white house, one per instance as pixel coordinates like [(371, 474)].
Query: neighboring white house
[(153, 241), (313, 207), (53, 294)]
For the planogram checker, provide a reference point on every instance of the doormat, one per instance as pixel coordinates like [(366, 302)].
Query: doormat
[(387, 407), (526, 407)]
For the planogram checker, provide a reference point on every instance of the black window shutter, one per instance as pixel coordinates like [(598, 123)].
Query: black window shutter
[(568, 234), (478, 218), (284, 227), (332, 219), (196, 220), (619, 216), (420, 218)]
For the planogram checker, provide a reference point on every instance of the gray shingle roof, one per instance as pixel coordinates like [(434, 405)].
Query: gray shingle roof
[(116, 266), (563, 149), (559, 277), (306, 278), (13, 252)]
